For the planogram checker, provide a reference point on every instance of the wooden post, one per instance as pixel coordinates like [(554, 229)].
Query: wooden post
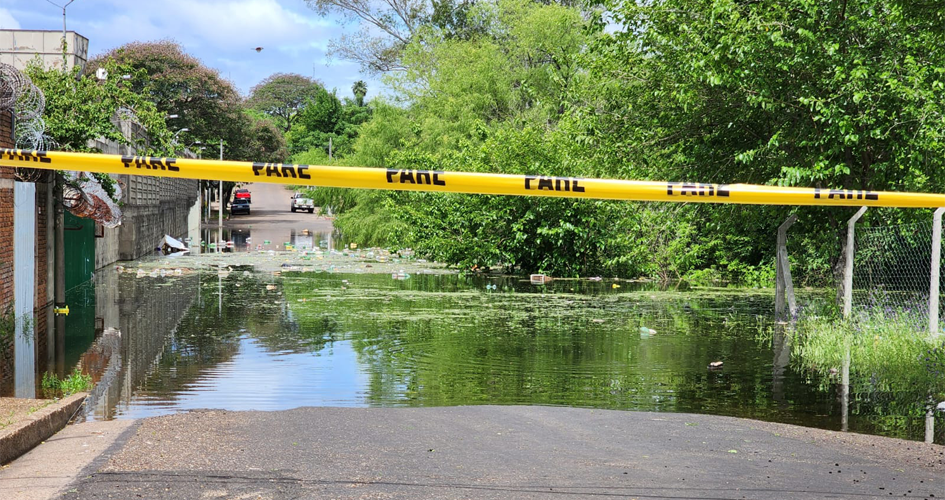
[(784, 291), (936, 269), (848, 264)]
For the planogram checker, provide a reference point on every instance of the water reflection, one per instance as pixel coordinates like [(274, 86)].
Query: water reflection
[(238, 339), (28, 348), (252, 239)]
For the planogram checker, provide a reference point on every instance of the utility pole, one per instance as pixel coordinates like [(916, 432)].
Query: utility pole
[(59, 251)]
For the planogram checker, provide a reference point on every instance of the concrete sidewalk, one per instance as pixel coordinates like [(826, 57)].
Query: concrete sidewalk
[(501, 452), (24, 423)]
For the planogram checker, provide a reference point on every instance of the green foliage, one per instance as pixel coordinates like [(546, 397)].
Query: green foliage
[(205, 104), (887, 347), (282, 96), (82, 108), (326, 119), (7, 326), (359, 89), (389, 129), (829, 94), (75, 382)]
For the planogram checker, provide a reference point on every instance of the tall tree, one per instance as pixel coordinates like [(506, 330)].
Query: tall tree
[(836, 93), (282, 96), (389, 26), (179, 84), (359, 89)]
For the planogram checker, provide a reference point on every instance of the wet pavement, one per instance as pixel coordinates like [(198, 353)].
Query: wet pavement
[(502, 452), (270, 224)]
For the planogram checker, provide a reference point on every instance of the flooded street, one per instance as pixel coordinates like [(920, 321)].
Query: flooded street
[(287, 316), (261, 331)]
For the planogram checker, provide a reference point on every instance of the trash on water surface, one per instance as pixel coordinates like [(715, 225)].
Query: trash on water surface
[(399, 275), (715, 364), (540, 279), (646, 332), (170, 245)]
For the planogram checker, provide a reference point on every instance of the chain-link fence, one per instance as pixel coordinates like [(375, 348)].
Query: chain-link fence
[(892, 271)]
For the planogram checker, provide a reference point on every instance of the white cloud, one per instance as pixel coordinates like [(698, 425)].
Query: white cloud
[(221, 33), (7, 21)]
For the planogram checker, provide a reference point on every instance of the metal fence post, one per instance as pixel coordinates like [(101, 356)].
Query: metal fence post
[(848, 265), (784, 291), (936, 268)]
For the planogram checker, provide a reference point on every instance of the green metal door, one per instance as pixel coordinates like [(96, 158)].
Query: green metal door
[(79, 239)]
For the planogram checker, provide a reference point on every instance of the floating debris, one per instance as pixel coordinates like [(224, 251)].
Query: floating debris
[(646, 332), (169, 245), (715, 364), (540, 279)]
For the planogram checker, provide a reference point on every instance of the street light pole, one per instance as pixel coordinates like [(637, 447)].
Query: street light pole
[(65, 60)]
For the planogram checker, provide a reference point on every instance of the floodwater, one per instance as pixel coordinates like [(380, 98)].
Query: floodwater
[(207, 332)]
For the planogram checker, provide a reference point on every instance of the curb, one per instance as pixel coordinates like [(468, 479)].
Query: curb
[(38, 427)]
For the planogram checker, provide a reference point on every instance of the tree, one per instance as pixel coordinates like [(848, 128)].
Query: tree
[(179, 84), (326, 120), (283, 95), (359, 89), (82, 108), (831, 94), (390, 26)]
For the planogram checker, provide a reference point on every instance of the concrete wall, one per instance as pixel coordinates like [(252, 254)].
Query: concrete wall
[(19, 47), (151, 207)]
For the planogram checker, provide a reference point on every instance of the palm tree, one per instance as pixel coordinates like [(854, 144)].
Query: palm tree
[(359, 89)]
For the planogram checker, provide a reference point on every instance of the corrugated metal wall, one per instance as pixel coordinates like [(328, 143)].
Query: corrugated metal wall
[(24, 286)]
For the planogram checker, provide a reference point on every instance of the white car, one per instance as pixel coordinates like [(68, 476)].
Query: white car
[(300, 202)]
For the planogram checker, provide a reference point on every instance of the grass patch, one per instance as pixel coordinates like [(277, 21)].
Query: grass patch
[(75, 382), (889, 348)]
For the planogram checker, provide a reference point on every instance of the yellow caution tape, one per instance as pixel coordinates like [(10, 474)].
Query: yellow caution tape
[(463, 182)]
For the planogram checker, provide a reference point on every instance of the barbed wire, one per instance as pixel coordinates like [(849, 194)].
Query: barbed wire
[(82, 194)]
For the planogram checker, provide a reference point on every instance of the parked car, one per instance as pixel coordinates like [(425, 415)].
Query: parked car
[(239, 206), (300, 202), (243, 194)]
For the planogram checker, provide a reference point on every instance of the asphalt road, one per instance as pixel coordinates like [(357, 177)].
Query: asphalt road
[(270, 219), (498, 452)]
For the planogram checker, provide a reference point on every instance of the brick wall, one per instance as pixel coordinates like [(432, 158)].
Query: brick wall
[(6, 215), (41, 299), (6, 254)]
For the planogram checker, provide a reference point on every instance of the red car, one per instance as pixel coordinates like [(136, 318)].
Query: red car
[(243, 194)]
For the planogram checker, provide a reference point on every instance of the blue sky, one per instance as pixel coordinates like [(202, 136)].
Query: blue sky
[(221, 33)]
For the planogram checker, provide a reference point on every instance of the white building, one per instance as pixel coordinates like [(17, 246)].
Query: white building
[(19, 47)]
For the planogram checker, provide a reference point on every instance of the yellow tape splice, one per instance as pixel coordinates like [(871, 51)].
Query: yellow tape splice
[(463, 182)]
